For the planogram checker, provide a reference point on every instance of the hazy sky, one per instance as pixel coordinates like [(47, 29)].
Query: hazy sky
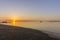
[(31, 9)]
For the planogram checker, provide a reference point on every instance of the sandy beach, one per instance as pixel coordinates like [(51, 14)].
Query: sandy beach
[(8, 32)]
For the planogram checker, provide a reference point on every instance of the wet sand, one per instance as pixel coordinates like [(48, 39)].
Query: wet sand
[(8, 32)]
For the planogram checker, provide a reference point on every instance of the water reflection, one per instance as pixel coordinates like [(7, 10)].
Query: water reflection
[(50, 26)]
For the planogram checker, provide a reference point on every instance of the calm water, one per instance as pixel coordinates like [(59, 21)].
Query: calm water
[(47, 26), (51, 28)]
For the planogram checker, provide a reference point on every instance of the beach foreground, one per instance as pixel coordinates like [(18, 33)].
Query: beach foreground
[(8, 32)]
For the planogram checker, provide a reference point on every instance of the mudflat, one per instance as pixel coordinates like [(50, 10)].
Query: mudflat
[(8, 32)]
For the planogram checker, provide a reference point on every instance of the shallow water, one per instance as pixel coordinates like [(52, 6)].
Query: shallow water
[(48, 26), (51, 28)]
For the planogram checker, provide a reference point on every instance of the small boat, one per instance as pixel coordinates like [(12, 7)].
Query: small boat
[(40, 21)]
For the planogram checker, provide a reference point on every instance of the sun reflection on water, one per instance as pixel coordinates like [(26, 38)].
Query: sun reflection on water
[(13, 21)]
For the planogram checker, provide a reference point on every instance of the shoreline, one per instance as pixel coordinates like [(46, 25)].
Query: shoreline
[(19, 33)]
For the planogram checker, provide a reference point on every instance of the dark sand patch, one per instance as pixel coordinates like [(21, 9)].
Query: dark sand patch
[(19, 33)]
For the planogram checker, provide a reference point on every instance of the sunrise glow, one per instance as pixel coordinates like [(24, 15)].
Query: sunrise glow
[(13, 20)]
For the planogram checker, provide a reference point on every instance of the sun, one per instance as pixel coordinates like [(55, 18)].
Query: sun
[(13, 20)]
